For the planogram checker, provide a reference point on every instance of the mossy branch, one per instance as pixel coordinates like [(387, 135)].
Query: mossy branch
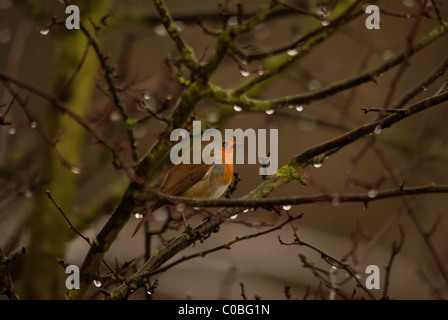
[(283, 176), (234, 97)]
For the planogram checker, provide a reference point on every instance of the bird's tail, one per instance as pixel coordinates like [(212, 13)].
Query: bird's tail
[(154, 207)]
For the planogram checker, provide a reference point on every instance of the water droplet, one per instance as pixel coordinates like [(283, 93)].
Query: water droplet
[(233, 21), (334, 267), (299, 108), (180, 25), (5, 35), (115, 116), (234, 216), (44, 31), (97, 283), (335, 201), (28, 194), (237, 108), (180, 207), (148, 292), (246, 210), (317, 165), (213, 117), (260, 72), (262, 31), (5, 4), (425, 89), (314, 84), (325, 23), (244, 62), (140, 131), (76, 169), (12, 131), (377, 130), (408, 16), (287, 207), (292, 52), (33, 124), (409, 3), (244, 72), (138, 215), (387, 54), (160, 30), (269, 112), (147, 96), (372, 193)]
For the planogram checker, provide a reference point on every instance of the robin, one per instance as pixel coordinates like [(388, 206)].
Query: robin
[(196, 180)]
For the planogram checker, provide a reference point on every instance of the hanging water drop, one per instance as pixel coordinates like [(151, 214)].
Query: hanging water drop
[(233, 21), (269, 112), (314, 84), (160, 30), (299, 108), (287, 207), (246, 210), (377, 130), (97, 283), (234, 216), (292, 52), (409, 3), (115, 116), (180, 25), (325, 23), (237, 108), (44, 31), (387, 54), (244, 72), (335, 201), (75, 169), (180, 207), (33, 124), (138, 215), (317, 165), (372, 193), (12, 131), (5, 36), (213, 117)]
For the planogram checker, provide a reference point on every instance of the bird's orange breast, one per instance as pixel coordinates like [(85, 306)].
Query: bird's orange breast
[(228, 173)]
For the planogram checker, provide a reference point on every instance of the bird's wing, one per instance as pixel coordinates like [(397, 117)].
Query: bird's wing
[(182, 176)]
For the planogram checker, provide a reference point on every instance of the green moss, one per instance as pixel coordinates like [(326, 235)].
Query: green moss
[(130, 123), (186, 236), (288, 172)]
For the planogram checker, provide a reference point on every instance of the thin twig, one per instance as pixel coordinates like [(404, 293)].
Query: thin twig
[(71, 226), (396, 247)]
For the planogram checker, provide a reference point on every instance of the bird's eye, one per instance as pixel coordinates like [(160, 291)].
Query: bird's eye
[(224, 144)]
